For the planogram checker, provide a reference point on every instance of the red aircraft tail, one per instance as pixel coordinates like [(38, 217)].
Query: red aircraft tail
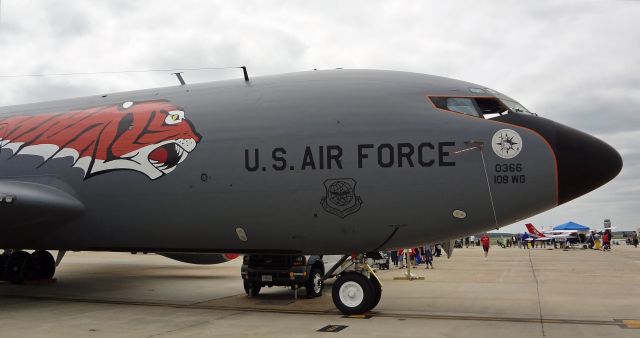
[(533, 230)]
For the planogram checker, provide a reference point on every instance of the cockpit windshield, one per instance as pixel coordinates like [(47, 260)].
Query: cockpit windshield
[(486, 107), (516, 107)]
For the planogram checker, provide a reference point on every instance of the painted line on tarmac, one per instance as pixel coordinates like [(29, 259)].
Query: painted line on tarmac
[(623, 323)]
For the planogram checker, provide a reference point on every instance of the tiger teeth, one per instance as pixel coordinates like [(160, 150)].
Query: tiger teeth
[(153, 162), (182, 157)]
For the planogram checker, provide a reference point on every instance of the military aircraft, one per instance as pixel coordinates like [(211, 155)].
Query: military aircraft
[(323, 162), (562, 235)]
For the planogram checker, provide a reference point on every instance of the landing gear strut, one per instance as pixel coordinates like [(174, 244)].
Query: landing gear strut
[(19, 266), (357, 289)]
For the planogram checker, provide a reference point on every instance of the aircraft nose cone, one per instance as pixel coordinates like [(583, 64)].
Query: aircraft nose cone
[(584, 162)]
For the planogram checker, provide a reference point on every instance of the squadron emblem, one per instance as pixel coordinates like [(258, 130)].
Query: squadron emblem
[(506, 143), (150, 137), (340, 198)]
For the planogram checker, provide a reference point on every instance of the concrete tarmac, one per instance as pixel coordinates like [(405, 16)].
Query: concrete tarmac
[(513, 292)]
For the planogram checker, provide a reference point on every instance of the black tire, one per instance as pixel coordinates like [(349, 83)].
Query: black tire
[(251, 289), (42, 265), (315, 283), (352, 293), (377, 289), (17, 267)]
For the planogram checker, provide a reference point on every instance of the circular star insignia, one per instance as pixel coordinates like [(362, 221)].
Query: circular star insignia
[(506, 143)]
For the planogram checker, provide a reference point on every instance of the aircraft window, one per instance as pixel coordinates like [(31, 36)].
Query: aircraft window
[(491, 107), (487, 107), (516, 107), (462, 105)]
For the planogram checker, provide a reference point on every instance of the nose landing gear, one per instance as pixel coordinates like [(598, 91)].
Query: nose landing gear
[(19, 266), (357, 289)]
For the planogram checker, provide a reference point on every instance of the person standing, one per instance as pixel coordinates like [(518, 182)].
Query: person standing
[(437, 251), (519, 240), (428, 257), (606, 241), (484, 240), (591, 242), (525, 240), (634, 239)]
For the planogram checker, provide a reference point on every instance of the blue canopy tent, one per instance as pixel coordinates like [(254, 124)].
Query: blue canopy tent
[(571, 226)]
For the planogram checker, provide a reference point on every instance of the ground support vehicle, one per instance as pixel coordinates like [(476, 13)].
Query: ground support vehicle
[(294, 271)]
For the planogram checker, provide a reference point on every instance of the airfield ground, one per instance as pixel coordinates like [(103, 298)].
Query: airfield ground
[(513, 293)]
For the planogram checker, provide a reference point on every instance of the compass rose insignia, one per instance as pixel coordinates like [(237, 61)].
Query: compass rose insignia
[(506, 143)]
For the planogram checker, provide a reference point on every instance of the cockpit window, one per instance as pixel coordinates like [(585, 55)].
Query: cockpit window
[(462, 105), (486, 107), (490, 106), (516, 107)]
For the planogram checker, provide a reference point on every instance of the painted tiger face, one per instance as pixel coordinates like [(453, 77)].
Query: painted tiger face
[(151, 137)]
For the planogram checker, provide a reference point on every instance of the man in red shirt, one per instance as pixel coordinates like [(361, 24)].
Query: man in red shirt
[(606, 239), (484, 240)]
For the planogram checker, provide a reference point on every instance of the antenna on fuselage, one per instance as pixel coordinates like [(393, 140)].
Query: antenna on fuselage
[(176, 71), (246, 75), (182, 83), (179, 76)]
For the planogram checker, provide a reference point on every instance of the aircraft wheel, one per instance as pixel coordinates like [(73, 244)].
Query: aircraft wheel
[(377, 289), (17, 267), (315, 283), (251, 289), (352, 293), (42, 265)]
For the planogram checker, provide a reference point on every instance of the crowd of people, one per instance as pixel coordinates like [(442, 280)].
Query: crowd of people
[(424, 254), (417, 256), (592, 240)]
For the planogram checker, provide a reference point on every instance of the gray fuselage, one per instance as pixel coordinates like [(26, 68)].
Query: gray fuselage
[(327, 162)]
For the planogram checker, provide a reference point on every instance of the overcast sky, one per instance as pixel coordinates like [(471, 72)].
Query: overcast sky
[(576, 62)]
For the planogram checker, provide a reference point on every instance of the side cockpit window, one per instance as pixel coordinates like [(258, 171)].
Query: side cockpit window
[(462, 105), (486, 107), (491, 107)]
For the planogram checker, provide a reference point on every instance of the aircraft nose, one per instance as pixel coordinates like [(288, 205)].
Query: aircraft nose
[(584, 162)]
